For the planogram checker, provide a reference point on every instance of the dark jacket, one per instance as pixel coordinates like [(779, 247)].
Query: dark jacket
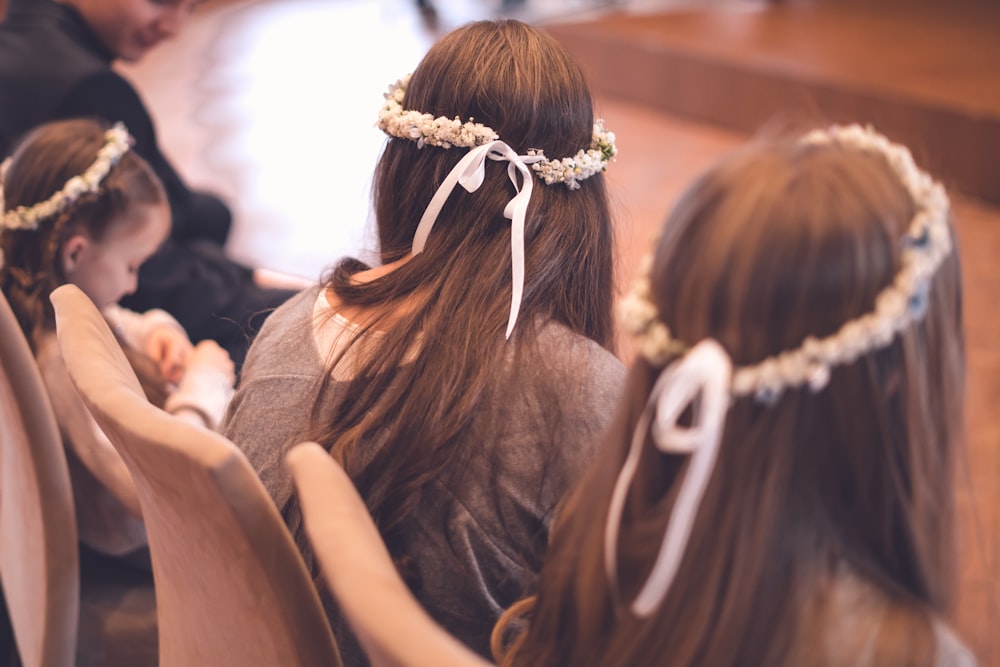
[(52, 66)]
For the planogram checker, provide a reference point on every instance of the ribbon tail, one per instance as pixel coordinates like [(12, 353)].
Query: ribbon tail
[(470, 172), (517, 269), (705, 370), (679, 527), (618, 496), (517, 211)]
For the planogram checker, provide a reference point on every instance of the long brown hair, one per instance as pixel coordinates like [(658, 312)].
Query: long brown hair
[(44, 160), (457, 293), (776, 243)]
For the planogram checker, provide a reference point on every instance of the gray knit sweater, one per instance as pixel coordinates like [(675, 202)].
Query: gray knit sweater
[(480, 533)]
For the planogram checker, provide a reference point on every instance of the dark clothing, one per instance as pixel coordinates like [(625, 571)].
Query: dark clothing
[(52, 67)]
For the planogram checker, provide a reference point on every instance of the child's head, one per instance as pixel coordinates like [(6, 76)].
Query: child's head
[(78, 207), (837, 442), (507, 81)]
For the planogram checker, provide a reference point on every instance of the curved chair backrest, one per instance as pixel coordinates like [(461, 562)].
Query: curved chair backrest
[(231, 586), (389, 622), (39, 558)]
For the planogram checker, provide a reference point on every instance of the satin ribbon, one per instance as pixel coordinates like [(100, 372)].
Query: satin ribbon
[(470, 173), (704, 371)]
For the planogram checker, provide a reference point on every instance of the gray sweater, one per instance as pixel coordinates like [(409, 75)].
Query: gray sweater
[(479, 535)]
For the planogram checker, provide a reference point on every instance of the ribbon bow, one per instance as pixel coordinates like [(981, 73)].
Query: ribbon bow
[(469, 173), (704, 371)]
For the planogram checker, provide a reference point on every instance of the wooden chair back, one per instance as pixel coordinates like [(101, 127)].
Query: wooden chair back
[(39, 557), (232, 588), (389, 622)]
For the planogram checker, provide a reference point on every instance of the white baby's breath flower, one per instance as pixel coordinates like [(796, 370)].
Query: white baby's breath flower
[(445, 132), (927, 242), (636, 313), (117, 142)]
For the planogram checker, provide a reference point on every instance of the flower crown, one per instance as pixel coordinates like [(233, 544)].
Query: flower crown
[(445, 132), (926, 243), (117, 142)]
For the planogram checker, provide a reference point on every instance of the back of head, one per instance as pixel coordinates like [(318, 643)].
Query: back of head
[(529, 89), (457, 292), (55, 158), (782, 242)]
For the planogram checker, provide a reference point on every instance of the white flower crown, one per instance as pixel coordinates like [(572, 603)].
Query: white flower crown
[(117, 142), (927, 242), (445, 132)]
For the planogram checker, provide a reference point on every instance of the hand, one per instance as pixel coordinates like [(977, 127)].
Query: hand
[(206, 387), (208, 353), (170, 348)]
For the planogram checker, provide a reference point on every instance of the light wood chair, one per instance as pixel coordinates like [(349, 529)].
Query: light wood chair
[(389, 622), (232, 588), (39, 561), (56, 620)]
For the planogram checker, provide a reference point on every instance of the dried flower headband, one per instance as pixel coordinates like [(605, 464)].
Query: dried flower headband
[(117, 142), (705, 370), (445, 132), (927, 242), (484, 143)]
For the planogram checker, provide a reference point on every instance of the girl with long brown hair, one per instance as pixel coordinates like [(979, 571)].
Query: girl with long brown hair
[(463, 380), (777, 486)]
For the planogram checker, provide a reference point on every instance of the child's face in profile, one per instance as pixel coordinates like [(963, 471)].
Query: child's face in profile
[(107, 270), (129, 29)]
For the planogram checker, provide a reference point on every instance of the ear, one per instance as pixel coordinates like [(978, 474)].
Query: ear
[(72, 251)]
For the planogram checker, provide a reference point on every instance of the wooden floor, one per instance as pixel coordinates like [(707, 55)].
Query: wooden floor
[(926, 73), (266, 102)]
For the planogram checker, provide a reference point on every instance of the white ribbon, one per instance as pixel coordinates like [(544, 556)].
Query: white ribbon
[(469, 173), (705, 370)]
